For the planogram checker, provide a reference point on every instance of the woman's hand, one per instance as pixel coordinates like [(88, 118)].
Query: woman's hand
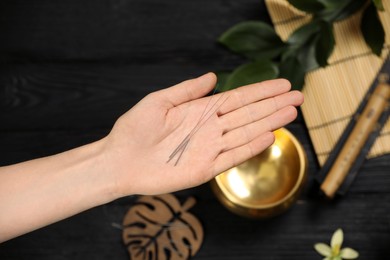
[(134, 158), (230, 128)]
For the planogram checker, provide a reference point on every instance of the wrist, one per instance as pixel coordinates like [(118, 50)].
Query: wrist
[(102, 172)]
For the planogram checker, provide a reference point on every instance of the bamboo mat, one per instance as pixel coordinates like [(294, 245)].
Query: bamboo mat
[(332, 94)]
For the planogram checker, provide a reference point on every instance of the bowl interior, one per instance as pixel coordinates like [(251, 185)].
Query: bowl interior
[(267, 179)]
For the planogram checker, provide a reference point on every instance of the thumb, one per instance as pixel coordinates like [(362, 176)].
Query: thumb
[(190, 89)]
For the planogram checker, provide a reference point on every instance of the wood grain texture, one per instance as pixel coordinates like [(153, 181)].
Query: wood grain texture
[(69, 69)]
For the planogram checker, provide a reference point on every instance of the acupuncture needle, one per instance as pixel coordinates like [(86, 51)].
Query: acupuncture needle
[(200, 119), (204, 122), (184, 144), (195, 127)]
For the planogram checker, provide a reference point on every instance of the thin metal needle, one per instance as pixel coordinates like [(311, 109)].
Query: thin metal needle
[(182, 151), (185, 142), (215, 110), (177, 149)]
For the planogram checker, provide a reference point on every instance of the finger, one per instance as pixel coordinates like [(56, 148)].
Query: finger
[(234, 157), (189, 90), (256, 111), (255, 92), (245, 134)]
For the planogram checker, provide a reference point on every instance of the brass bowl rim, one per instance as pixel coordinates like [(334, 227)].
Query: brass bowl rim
[(293, 191)]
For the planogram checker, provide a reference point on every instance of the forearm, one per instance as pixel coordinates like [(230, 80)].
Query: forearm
[(132, 158), (42, 191)]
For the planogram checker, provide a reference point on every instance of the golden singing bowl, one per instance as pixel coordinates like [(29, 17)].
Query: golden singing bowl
[(267, 184)]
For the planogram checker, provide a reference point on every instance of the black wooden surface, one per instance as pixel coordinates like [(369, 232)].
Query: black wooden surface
[(68, 69)]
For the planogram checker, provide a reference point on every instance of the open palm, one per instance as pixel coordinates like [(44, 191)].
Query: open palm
[(176, 138)]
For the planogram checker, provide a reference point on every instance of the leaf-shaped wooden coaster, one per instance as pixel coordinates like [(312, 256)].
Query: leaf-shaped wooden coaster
[(158, 227)]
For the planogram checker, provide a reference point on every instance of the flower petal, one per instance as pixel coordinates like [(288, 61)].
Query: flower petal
[(323, 249), (337, 238), (349, 253)]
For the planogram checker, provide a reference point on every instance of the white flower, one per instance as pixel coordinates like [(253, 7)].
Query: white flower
[(334, 251)]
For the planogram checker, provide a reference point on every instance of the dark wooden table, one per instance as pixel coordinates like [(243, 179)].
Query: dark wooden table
[(70, 68)]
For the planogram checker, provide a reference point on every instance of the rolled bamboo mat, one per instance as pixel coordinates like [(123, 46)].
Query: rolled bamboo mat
[(332, 94)]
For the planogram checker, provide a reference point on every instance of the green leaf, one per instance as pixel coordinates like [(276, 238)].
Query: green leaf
[(372, 29), (337, 238), (334, 4), (312, 44), (324, 43), (304, 33), (250, 73), (323, 249), (378, 4), (292, 70), (349, 253), (302, 45), (255, 40), (306, 54), (309, 6), (338, 11), (307, 57), (222, 77)]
